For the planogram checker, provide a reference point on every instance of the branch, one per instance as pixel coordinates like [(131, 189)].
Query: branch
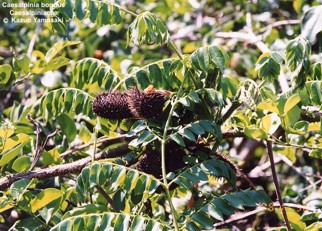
[(39, 148), (105, 195), (62, 169), (240, 216), (38, 151), (280, 23), (277, 187)]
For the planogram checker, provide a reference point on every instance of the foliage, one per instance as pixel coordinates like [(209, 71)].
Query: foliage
[(229, 72)]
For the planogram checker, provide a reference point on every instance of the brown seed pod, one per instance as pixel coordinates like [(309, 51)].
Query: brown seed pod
[(151, 162), (148, 104), (112, 105)]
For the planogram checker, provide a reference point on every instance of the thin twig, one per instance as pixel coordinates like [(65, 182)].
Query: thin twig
[(105, 195), (38, 151), (291, 165), (314, 185), (240, 216), (39, 148), (280, 23), (277, 187), (62, 169)]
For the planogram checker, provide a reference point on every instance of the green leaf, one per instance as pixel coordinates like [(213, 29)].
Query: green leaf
[(21, 164), (316, 71), (28, 224), (18, 188), (12, 148), (22, 64), (215, 96), (80, 9), (234, 201), (67, 9), (297, 56), (93, 8), (40, 66), (213, 211), (178, 139), (199, 173), (119, 200), (255, 132), (218, 56), (291, 117), (269, 106), (268, 67), (196, 129), (137, 224), (317, 153), (57, 47), (5, 73), (315, 91), (313, 227), (203, 220), (147, 29), (130, 181), (291, 102), (311, 23), (200, 59), (206, 57), (187, 134), (294, 219), (44, 197), (109, 221), (59, 23), (68, 127), (87, 209), (70, 101), (92, 74), (270, 123)]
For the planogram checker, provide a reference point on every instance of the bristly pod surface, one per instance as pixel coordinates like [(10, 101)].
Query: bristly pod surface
[(151, 162), (112, 105), (147, 104)]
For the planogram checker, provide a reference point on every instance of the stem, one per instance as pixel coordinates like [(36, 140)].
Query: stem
[(175, 49), (277, 187), (163, 142), (105, 195), (229, 112), (95, 143), (163, 166), (125, 10)]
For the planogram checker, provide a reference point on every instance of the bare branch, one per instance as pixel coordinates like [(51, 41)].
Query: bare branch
[(62, 169), (280, 23), (38, 148), (277, 187)]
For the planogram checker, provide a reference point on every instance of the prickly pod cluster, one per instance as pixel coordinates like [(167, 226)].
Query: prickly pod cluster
[(147, 104)]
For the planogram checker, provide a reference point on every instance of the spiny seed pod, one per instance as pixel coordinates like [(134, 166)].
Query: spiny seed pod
[(112, 105), (226, 159), (147, 104), (151, 162)]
